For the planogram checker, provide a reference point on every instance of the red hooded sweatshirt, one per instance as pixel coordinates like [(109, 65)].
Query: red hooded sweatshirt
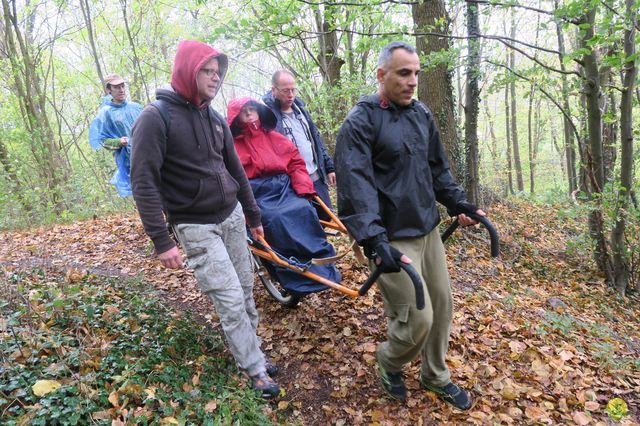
[(265, 152), (191, 55), (188, 169)]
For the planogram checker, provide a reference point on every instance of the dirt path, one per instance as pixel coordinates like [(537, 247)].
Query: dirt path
[(326, 346)]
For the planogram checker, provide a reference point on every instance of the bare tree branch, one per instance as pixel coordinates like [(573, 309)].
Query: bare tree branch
[(551, 98)]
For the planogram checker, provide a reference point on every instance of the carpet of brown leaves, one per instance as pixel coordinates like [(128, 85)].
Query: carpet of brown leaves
[(537, 337)]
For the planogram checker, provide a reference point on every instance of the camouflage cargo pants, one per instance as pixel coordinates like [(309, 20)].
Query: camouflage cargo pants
[(219, 256)]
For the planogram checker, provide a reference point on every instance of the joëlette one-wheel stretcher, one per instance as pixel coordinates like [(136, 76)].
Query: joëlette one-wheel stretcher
[(266, 259)]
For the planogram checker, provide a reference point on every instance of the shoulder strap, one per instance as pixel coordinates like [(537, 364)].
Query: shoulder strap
[(163, 109)]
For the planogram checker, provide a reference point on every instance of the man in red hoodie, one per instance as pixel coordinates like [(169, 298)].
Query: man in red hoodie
[(184, 165)]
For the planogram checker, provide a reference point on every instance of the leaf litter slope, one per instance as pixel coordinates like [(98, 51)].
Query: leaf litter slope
[(536, 335)]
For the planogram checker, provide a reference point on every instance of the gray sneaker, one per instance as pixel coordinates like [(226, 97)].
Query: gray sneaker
[(272, 369), (265, 385)]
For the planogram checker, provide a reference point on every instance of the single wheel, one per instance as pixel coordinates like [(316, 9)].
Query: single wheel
[(272, 285)]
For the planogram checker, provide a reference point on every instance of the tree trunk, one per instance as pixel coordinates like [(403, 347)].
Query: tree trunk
[(435, 86), (328, 57), (514, 111), (86, 14), (139, 75), (595, 165), (609, 127), (530, 143), (493, 148), (569, 141), (583, 148), (507, 117), (620, 259), (537, 135), (472, 97)]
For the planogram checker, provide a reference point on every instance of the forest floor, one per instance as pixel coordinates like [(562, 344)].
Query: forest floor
[(536, 337)]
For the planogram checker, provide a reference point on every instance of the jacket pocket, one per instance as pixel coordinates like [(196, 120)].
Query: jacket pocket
[(415, 145), (181, 194), (215, 192), (228, 187)]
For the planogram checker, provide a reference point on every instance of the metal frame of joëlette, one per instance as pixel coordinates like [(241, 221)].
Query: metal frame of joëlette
[(334, 223), (268, 254)]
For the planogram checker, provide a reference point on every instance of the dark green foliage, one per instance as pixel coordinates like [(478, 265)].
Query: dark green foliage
[(118, 354)]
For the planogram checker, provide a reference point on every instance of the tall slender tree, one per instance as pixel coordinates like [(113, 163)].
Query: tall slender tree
[(25, 67), (621, 265), (472, 98), (569, 140), (514, 112)]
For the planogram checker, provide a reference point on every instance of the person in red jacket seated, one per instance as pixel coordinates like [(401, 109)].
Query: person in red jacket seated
[(282, 188), (262, 150)]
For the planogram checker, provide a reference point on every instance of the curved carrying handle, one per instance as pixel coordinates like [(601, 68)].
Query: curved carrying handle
[(415, 279), (493, 234)]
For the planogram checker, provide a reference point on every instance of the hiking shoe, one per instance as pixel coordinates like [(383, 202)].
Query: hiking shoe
[(393, 383), (450, 393), (272, 369), (262, 383)]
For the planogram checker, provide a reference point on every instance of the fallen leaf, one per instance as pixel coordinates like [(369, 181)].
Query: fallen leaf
[(581, 418), (211, 406), (151, 392), (509, 393), (534, 413), (566, 355), (114, 399), (517, 347), (592, 405), (43, 387), (195, 379), (101, 415), (283, 405)]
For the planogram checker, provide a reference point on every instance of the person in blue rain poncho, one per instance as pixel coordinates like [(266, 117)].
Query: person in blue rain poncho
[(111, 129)]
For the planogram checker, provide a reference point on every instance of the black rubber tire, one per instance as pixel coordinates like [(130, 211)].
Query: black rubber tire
[(274, 288)]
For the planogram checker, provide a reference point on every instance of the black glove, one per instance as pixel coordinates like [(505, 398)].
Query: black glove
[(369, 246), (378, 247), (389, 258), (464, 207)]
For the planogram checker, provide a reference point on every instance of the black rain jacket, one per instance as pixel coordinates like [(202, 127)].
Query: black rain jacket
[(391, 169)]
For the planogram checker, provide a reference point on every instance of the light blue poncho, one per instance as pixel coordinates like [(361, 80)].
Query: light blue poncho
[(115, 121)]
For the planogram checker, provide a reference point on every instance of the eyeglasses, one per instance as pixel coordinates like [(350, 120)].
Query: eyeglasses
[(209, 72), (290, 91)]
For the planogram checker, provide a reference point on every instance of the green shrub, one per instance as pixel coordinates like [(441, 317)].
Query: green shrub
[(117, 353)]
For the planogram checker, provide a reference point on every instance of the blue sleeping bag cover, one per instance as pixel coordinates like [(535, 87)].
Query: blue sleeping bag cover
[(292, 228)]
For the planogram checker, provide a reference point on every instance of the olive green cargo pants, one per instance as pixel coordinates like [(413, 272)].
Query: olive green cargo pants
[(410, 331)]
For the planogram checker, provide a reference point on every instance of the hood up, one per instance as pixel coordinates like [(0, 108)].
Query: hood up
[(191, 55), (265, 115)]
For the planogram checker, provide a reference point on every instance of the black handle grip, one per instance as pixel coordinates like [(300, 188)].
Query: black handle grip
[(415, 279), (369, 282), (493, 234)]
